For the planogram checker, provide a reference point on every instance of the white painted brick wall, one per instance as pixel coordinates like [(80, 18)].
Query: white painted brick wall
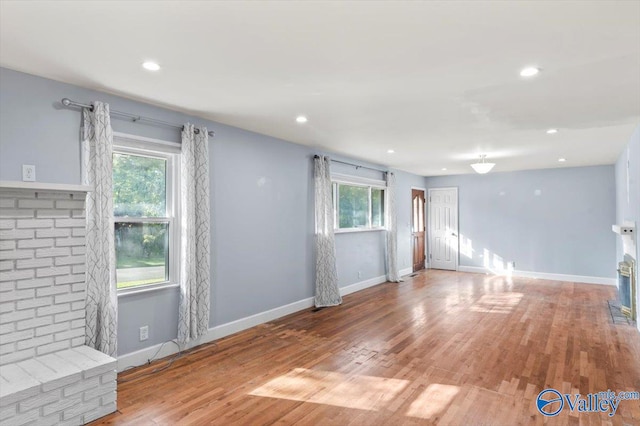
[(42, 263), (47, 375), (74, 387)]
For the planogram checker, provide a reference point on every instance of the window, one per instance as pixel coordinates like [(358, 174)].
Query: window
[(358, 205), (144, 195)]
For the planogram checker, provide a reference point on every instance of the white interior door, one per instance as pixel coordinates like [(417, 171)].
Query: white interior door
[(443, 228)]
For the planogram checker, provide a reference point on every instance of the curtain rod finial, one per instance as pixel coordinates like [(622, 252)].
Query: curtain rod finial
[(66, 101)]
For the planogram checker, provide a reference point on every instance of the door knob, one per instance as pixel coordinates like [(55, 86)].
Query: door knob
[(453, 234)]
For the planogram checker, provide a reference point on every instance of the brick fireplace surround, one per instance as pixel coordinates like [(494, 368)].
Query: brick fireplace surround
[(47, 375)]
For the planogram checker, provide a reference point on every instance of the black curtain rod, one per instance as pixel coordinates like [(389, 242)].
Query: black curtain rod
[(357, 166)]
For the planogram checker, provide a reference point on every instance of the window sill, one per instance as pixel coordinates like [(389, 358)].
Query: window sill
[(352, 230), (146, 289)]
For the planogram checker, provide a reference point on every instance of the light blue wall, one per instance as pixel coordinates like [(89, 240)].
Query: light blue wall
[(627, 169), (360, 251), (261, 204), (566, 229), (358, 254), (262, 212), (36, 129)]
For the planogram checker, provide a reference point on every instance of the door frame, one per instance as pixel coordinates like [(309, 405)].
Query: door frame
[(426, 228), (430, 231)]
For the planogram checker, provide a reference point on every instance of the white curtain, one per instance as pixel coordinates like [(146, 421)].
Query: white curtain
[(195, 282), (392, 231), (101, 300), (327, 292)]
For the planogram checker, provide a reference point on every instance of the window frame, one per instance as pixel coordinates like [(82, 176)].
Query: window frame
[(170, 152), (338, 179)]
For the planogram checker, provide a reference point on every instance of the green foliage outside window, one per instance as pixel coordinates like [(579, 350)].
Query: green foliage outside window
[(354, 210), (139, 186), (377, 207), (353, 207), (139, 191)]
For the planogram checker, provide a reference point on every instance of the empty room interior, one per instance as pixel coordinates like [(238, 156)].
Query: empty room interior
[(319, 213)]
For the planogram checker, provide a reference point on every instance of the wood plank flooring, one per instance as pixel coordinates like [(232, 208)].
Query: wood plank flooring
[(440, 348)]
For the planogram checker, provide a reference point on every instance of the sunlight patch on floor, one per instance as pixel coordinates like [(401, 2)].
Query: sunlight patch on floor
[(497, 303), (433, 400), (326, 387), (419, 316)]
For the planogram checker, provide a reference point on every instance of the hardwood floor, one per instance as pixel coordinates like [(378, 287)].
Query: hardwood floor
[(440, 348)]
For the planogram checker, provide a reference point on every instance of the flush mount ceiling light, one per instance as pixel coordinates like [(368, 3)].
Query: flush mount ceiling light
[(529, 71), (481, 167), (151, 66), (552, 131), (390, 151), (444, 169), (301, 119), (562, 159)]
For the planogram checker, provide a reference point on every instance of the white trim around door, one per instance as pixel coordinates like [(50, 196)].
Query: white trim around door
[(444, 238)]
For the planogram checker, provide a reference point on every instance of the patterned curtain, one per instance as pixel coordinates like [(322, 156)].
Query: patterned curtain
[(392, 231), (327, 292), (195, 283), (101, 302)]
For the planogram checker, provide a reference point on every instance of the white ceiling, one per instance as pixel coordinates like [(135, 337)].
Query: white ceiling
[(438, 82)]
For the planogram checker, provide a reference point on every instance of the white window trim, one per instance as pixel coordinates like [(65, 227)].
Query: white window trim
[(356, 230), (155, 148), (133, 141), (146, 289), (340, 178), (358, 181)]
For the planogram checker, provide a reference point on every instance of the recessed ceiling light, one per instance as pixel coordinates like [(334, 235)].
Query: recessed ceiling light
[(151, 66), (390, 151), (562, 159), (444, 168), (552, 131), (529, 71), (301, 119)]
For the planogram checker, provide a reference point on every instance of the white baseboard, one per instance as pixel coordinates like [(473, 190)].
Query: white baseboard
[(405, 271), (223, 330), (142, 356), (362, 285), (542, 275)]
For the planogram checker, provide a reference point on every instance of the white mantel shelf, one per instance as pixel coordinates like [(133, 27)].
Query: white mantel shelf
[(41, 186)]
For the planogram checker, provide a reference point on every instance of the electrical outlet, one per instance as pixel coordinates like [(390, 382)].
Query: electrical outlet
[(144, 333), (28, 173)]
